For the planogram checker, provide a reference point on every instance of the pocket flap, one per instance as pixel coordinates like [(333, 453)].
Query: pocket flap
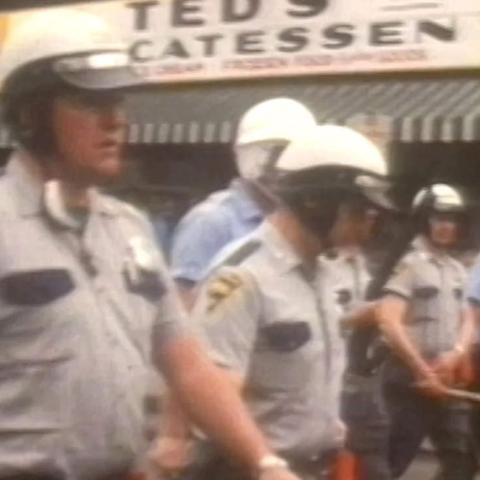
[(36, 287), (286, 337), (425, 292)]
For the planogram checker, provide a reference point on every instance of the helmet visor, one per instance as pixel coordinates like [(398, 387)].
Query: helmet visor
[(376, 190), (98, 71)]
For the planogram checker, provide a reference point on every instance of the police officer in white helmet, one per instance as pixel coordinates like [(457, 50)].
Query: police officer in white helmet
[(430, 331), (86, 301), (266, 313), (224, 216)]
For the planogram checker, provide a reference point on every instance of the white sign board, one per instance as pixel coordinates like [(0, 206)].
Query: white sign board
[(176, 40)]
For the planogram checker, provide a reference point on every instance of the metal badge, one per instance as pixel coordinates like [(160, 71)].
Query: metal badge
[(141, 268)]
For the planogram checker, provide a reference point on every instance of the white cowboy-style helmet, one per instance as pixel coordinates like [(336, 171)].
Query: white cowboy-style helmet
[(55, 51), (332, 146), (71, 45), (273, 119), (325, 166), (263, 128)]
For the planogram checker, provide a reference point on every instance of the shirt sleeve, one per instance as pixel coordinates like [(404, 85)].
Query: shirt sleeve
[(473, 286), (199, 236), (171, 320), (227, 314), (401, 281)]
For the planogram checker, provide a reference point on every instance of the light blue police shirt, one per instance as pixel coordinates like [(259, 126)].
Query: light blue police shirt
[(201, 234)]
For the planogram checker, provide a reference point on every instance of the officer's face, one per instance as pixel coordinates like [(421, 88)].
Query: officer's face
[(355, 224), (89, 131), (444, 229)]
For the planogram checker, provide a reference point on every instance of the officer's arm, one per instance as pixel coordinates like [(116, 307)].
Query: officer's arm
[(391, 312), (212, 402), (473, 304), (171, 452), (466, 337), (361, 315), (455, 365), (203, 390)]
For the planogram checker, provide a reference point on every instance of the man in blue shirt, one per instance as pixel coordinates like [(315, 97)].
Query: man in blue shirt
[(232, 213)]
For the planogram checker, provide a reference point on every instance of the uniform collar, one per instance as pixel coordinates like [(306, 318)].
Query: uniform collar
[(30, 187), (286, 257), (349, 255), (421, 245), (27, 182), (245, 205)]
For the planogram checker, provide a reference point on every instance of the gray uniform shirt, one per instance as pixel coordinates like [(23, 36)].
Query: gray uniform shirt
[(433, 284), (347, 277), (268, 321), (78, 311)]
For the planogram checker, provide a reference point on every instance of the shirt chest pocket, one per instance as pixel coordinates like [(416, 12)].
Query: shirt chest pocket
[(457, 293), (425, 303), (282, 359), (36, 314), (140, 269), (286, 337), (35, 287)]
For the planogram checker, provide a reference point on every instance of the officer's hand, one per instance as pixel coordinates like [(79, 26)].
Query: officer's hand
[(277, 474), (170, 456), (445, 366), (430, 384), (340, 432)]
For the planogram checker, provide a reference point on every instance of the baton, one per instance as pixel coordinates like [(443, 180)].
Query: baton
[(463, 395)]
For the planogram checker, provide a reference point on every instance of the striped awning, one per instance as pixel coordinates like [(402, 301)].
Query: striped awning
[(421, 110)]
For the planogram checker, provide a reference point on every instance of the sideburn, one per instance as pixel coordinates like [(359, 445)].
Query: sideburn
[(34, 125)]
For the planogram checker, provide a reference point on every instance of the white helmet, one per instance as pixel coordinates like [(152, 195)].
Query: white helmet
[(325, 167), (265, 127), (276, 119), (332, 146), (72, 45), (439, 197)]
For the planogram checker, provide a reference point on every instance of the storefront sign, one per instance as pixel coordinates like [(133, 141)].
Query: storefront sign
[(172, 40)]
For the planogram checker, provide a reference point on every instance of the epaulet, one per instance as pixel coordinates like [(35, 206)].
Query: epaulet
[(120, 207), (130, 210), (242, 253), (406, 262)]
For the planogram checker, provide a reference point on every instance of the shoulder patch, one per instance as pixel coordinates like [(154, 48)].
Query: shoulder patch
[(242, 253), (221, 288)]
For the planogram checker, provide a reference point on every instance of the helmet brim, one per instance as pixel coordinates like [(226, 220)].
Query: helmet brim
[(380, 199), (117, 78), (377, 191)]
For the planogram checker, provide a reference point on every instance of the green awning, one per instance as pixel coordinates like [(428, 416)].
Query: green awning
[(421, 110)]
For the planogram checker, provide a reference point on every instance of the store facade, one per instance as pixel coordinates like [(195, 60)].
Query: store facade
[(404, 72)]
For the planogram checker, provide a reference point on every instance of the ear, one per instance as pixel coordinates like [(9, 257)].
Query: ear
[(26, 118)]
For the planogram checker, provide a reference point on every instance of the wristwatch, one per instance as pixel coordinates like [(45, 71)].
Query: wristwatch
[(270, 461)]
